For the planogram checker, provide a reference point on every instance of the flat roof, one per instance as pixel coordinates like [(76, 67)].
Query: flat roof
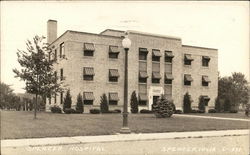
[(153, 35), (199, 47)]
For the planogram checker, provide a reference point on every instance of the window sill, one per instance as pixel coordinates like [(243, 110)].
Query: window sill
[(88, 57), (188, 66), (168, 63), (205, 67), (142, 60), (113, 59), (90, 81), (168, 84), (109, 82), (143, 83)]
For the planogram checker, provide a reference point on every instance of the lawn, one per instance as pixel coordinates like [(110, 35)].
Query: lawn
[(240, 115), (20, 124)]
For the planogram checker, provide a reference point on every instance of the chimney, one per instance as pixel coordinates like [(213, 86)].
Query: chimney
[(51, 31)]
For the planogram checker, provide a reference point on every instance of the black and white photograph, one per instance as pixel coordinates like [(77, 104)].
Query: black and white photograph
[(125, 78)]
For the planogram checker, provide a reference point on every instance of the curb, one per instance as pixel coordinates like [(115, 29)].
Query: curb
[(119, 138), (211, 117)]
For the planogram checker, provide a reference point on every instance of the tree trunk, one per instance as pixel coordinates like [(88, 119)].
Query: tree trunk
[(35, 107)]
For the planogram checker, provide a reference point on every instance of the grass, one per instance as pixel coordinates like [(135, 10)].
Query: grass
[(225, 115), (20, 124)]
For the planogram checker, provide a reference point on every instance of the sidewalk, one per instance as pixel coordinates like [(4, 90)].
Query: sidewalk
[(211, 117), (119, 138)]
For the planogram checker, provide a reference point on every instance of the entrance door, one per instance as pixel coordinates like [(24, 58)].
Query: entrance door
[(155, 98)]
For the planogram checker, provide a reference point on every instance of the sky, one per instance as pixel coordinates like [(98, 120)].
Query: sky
[(223, 25)]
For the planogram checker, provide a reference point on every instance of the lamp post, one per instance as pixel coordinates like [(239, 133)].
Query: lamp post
[(126, 43)]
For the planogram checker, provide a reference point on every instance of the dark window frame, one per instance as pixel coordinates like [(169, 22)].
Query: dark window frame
[(61, 98), (156, 80), (88, 77), (142, 80), (187, 83), (142, 103), (62, 50), (61, 74), (88, 53), (113, 79), (113, 102), (168, 81), (113, 55), (88, 102), (204, 83), (205, 62)]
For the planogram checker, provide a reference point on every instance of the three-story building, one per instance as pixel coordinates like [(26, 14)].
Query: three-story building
[(93, 64)]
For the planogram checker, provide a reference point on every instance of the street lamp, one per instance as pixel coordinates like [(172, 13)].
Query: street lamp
[(126, 43)]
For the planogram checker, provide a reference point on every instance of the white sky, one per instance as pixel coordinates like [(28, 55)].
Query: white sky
[(222, 25)]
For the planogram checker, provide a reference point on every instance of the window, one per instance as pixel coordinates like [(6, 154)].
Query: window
[(55, 57), (168, 78), (55, 74), (168, 56), (62, 50), (88, 73), (61, 73), (113, 98), (88, 98), (156, 76), (156, 55), (187, 79), (205, 61), (188, 59), (50, 100), (61, 98), (55, 99), (49, 56), (143, 52), (113, 75), (113, 52), (205, 80), (143, 77), (143, 99), (88, 49)]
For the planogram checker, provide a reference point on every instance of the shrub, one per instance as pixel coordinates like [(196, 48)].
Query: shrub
[(200, 111), (201, 105), (118, 110), (145, 111), (104, 104), (164, 108), (134, 103), (233, 111), (114, 112), (211, 111), (69, 111), (187, 103), (79, 104), (194, 111), (94, 111), (67, 101), (178, 112), (56, 109)]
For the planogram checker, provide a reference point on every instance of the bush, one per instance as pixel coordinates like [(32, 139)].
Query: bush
[(145, 111), (164, 108), (56, 109), (118, 110), (94, 111), (201, 105), (200, 111), (187, 103), (134, 103), (69, 111), (233, 111), (194, 111), (67, 101), (104, 104), (79, 104), (114, 112), (211, 111), (178, 111)]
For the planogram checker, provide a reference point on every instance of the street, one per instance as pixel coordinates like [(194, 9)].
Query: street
[(228, 145)]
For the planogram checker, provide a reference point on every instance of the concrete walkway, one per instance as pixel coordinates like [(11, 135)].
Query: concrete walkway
[(211, 117), (118, 138)]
